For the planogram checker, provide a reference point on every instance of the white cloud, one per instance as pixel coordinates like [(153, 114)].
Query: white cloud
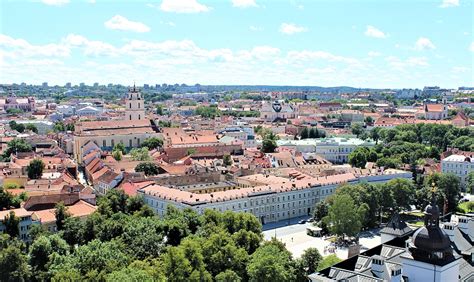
[(400, 64), (244, 3), (90, 48), (459, 70), (76, 58), (449, 3), (374, 54), (21, 48), (424, 43), (289, 28), (118, 22), (471, 47), (255, 28), (172, 24), (372, 31), (55, 2), (183, 6)]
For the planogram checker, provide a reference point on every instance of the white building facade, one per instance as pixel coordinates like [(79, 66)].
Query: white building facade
[(458, 165)]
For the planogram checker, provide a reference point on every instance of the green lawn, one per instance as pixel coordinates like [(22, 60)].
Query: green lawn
[(466, 207)]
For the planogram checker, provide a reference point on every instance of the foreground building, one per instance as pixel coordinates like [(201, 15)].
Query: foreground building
[(434, 252)]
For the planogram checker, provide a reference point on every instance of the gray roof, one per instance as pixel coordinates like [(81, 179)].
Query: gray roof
[(396, 226)]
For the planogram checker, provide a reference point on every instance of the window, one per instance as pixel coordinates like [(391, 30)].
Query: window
[(104, 143), (130, 105)]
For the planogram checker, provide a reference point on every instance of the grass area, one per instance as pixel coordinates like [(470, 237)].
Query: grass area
[(466, 207), (417, 223), (328, 261), (417, 214)]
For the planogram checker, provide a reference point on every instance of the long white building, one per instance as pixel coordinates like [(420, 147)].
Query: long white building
[(278, 199), (335, 150)]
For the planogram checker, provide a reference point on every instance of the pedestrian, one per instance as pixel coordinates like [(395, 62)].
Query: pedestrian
[(291, 239)]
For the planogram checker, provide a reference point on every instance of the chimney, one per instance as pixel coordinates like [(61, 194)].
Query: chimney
[(463, 224), (448, 228), (378, 266)]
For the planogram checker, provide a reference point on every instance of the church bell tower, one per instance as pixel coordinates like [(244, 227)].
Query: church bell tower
[(134, 105)]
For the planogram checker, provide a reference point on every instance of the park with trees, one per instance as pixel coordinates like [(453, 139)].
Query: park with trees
[(125, 241)]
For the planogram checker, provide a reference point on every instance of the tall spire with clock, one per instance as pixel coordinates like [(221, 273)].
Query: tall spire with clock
[(134, 105)]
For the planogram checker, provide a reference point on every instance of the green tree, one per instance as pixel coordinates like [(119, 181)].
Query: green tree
[(369, 120), (148, 168), (328, 261), (40, 252), (140, 154), (268, 145), (403, 192), (341, 218), (175, 265), (310, 260), (358, 157), (269, 263), (159, 109), (375, 134), (12, 225), (35, 169), (13, 264), (7, 200), (61, 215), (117, 155), (320, 210), (59, 127), (14, 146), (208, 112), (228, 276), (31, 127), (470, 182), (304, 133), (143, 238), (70, 127), (227, 160), (20, 128), (448, 190), (36, 231), (153, 143), (357, 129), (119, 147), (96, 259)]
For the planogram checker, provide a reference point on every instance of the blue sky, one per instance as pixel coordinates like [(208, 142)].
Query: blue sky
[(380, 44)]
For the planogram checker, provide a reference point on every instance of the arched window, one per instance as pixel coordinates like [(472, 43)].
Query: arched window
[(130, 105), (139, 117), (139, 105)]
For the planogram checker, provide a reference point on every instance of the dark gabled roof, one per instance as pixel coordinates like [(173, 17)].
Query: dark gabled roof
[(396, 226), (462, 242), (466, 271)]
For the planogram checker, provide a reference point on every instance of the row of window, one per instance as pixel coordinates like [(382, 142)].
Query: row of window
[(112, 142)]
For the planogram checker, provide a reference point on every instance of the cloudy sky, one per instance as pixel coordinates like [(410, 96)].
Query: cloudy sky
[(367, 43)]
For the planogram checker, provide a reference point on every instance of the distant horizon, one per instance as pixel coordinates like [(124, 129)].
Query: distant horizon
[(152, 85), (366, 44)]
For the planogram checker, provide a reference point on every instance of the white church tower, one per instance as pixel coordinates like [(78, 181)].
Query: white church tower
[(134, 105)]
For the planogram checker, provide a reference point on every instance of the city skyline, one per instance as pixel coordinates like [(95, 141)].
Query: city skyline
[(241, 42)]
